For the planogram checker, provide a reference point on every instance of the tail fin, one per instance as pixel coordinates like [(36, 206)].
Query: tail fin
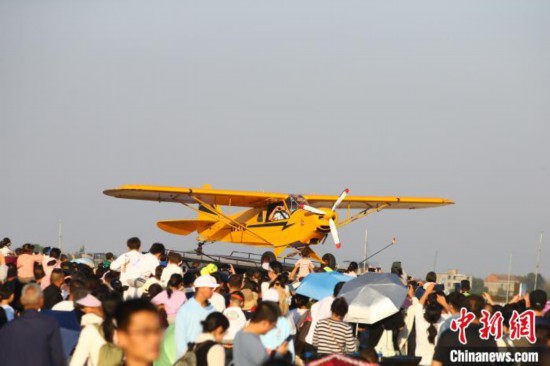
[(206, 213)]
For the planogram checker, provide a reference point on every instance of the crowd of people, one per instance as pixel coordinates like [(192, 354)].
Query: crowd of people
[(151, 308)]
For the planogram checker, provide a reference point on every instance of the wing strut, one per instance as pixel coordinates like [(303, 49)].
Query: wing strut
[(234, 224), (362, 214)]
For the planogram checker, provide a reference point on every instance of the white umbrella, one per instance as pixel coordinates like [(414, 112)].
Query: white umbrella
[(373, 297)]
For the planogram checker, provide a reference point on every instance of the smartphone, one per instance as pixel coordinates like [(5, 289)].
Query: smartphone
[(289, 338), (522, 289)]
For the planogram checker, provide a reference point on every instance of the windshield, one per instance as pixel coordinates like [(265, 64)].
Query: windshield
[(294, 201)]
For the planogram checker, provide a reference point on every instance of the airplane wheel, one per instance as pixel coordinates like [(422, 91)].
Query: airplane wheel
[(268, 257), (330, 260)]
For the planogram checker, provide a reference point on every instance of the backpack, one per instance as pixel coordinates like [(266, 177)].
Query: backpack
[(110, 355), (283, 303), (196, 354)]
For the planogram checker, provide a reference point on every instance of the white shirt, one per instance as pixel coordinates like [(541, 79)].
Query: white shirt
[(5, 251), (3, 272), (149, 282), (89, 342), (48, 269), (167, 272), (294, 316), (279, 215), (130, 265), (320, 310), (305, 267), (237, 321), (218, 302), (149, 265), (216, 353), (66, 305), (265, 286), (424, 348)]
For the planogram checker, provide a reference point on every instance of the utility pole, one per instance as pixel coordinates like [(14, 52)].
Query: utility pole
[(538, 262), (509, 276), (60, 235)]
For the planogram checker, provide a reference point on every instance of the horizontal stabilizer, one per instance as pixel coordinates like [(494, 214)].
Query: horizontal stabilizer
[(184, 227)]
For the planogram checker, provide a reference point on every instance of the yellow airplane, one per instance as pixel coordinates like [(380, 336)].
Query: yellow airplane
[(275, 220)]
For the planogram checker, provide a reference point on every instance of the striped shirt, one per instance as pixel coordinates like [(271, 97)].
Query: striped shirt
[(332, 336)]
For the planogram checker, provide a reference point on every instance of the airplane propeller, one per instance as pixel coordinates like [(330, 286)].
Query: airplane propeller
[(331, 223)]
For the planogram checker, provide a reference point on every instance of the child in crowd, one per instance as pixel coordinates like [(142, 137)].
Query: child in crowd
[(172, 298), (156, 279), (173, 267), (303, 266), (6, 297), (235, 315)]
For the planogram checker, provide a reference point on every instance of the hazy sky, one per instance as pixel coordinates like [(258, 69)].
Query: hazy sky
[(430, 98)]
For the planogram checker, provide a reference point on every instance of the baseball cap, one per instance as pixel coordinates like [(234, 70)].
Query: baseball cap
[(271, 295), (205, 281), (250, 299), (538, 299), (89, 301), (209, 269)]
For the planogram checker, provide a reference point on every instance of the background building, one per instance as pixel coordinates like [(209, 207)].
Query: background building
[(498, 285), (451, 278)]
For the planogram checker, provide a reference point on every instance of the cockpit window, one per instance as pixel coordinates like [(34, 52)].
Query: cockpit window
[(294, 201)]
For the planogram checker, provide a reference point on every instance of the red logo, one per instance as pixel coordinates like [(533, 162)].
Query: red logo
[(491, 325), (462, 323), (523, 325)]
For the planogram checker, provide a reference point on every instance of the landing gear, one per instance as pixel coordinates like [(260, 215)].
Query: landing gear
[(330, 260), (199, 247), (268, 257)]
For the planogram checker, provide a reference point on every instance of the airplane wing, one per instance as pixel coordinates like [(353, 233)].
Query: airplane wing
[(368, 202), (224, 197), (210, 196)]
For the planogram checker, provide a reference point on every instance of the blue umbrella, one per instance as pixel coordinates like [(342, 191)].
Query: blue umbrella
[(320, 285)]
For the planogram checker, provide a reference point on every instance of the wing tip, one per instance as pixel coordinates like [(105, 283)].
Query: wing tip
[(110, 192)]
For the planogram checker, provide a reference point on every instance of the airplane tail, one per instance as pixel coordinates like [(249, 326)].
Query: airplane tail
[(184, 227), (206, 213)]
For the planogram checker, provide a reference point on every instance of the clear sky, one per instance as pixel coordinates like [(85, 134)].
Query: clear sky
[(429, 98)]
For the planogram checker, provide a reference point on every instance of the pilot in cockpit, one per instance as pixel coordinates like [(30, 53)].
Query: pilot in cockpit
[(279, 213)]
